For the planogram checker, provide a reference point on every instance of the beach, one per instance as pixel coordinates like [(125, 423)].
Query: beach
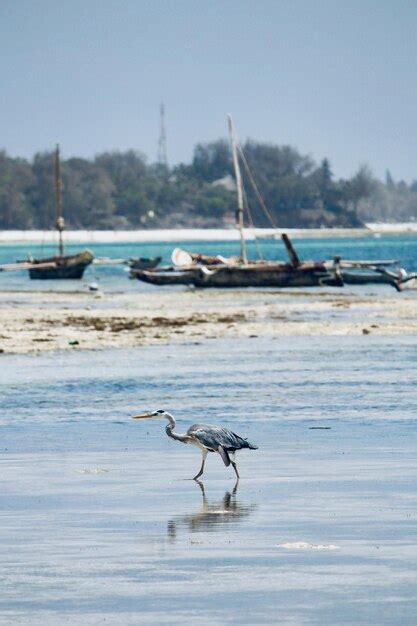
[(38, 321), (203, 234)]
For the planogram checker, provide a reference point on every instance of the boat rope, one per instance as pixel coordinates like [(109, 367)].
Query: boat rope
[(255, 188)]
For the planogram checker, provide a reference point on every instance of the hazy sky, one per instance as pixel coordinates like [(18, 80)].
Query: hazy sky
[(334, 78)]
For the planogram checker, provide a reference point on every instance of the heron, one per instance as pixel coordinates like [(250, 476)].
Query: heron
[(207, 437)]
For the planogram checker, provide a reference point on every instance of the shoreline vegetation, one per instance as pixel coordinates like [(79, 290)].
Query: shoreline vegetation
[(123, 191), (202, 234), (34, 322)]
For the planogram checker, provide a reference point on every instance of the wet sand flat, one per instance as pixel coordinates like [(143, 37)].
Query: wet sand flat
[(41, 321), (98, 524)]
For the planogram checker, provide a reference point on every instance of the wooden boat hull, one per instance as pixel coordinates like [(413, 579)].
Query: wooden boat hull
[(61, 267), (366, 278), (399, 279), (268, 276), (165, 277), (265, 275)]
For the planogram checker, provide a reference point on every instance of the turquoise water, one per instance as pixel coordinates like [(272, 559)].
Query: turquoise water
[(98, 524), (114, 278)]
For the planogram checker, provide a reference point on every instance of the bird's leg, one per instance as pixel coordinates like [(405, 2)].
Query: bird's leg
[(233, 462), (204, 452), (235, 468)]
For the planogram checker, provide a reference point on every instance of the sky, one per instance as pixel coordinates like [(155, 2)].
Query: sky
[(333, 78)]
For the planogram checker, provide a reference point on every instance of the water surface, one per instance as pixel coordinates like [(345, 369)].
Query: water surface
[(98, 523), (113, 278)]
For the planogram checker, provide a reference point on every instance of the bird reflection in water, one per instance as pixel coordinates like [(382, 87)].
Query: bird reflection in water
[(213, 515)]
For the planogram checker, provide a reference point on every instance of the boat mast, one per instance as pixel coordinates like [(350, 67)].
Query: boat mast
[(59, 223), (239, 188)]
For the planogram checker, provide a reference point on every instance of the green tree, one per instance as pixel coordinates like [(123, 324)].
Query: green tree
[(212, 161), (16, 180), (87, 195)]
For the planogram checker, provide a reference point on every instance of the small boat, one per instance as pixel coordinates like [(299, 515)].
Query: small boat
[(168, 276), (60, 266), (144, 263), (257, 274), (377, 273), (201, 270)]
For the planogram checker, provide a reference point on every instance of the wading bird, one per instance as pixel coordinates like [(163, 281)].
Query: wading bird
[(206, 437)]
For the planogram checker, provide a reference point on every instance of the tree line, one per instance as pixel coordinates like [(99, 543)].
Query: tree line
[(121, 190)]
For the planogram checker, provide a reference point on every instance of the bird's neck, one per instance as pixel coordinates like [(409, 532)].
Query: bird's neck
[(169, 429)]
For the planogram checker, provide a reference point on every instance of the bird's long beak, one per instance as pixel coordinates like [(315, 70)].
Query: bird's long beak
[(142, 416)]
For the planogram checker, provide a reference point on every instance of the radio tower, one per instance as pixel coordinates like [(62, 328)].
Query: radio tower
[(162, 143)]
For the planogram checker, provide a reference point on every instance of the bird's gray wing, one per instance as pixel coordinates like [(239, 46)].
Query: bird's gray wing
[(214, 436)]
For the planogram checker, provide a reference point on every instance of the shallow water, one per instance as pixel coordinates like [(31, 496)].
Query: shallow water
[(114, 278), (97, 523)]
